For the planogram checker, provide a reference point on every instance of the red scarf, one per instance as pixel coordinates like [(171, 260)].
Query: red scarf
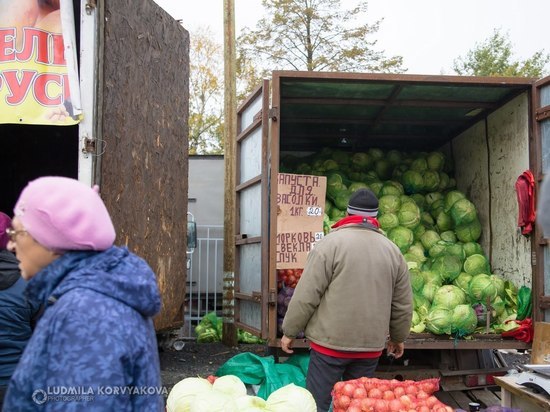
[(356, 220)]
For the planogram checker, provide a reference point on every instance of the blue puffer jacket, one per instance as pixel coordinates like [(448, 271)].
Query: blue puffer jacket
[(94, 348), (15, 315)]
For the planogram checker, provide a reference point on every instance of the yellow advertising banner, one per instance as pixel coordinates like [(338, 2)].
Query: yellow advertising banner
[(300, 210), (34, 74)]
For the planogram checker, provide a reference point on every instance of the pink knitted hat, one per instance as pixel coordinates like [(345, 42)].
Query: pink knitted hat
[(5, 222), (64, 214)]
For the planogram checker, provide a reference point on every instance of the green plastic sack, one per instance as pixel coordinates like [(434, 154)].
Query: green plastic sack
[(525, 306), (256, 370)]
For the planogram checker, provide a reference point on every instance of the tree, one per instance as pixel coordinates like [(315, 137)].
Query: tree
[(494, 57), (205, 94), (315, 35)]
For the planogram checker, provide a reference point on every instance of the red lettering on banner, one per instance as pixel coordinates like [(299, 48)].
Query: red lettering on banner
[(41, 89), (7, 45), (18, 89), (58, 50), (30, 38)]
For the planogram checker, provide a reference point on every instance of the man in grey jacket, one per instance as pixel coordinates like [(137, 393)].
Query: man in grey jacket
[(353, 300)]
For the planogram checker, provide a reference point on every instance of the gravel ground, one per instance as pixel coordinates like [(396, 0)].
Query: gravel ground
[(199, 359)]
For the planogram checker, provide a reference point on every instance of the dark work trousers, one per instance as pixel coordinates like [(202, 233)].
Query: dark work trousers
[(324, 371)]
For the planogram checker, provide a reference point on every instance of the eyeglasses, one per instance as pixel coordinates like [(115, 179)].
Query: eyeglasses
[(12, 233)]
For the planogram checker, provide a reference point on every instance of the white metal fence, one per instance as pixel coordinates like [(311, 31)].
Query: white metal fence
[(204, 284)]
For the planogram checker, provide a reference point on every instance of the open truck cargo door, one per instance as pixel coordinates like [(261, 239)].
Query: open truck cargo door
[(252, 292), (143, 107), (541, 158)]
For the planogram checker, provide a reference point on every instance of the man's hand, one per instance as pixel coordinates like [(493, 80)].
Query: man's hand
[(397, 349), (286, 343)]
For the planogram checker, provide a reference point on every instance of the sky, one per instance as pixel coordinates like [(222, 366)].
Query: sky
[(428, 34)]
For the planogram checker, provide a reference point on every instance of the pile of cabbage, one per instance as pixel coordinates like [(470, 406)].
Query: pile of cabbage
[(229, 394), (435, 226)]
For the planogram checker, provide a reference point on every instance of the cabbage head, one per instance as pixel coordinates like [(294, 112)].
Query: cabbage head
[(394, 157), (375, 153), (476, 264), (419, 231), (376, 187), (469, 232), (439, 249), (499, 283), (472, 248), (341, 199), (427, 220), (417, 281), (456, 249), (435, 161), (291, 398), (431, 276), (482, 288), (448, 266), (428, 291), (448, 236), (420, 165), (360, 161), (418, 250), (412, 181), (451, 198), (432, 197), (392, 187), (388, 221), (357, 185), (463, 281), (421, 305), (436, 207), (419, 199), (388, 204), (463, 320), (443, 221), (330, 164), (409, 215), (443, 181), (383, 169), (463, 211), (402, 237), (449, 296), (439, 320), (431, 180), (429, 238)]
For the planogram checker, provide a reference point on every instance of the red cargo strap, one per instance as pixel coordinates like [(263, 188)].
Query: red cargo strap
[(525, 189), (524, 332)]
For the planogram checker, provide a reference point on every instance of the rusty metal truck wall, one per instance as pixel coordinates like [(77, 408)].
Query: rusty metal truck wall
[(144, 165)]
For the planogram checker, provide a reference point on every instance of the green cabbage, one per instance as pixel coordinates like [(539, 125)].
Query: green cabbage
[(436, 161), (431, 180), (417, 281), (388, 221), (448, 266), (463, 211), (449, 296), (409, 215), (389, 204), (439, 320), (463, 320), (402, 237), (476, 264), (463, 281), (451, 198), (472, 248), (469, 232), (412, 181), (429, 238), (448, 236), (360, 161), (482, 288)]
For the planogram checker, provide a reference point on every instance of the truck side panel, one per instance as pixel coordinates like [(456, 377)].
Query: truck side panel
[(492, 154), (144, 168)]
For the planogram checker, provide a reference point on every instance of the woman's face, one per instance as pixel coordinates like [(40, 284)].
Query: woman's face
[(32, 256)]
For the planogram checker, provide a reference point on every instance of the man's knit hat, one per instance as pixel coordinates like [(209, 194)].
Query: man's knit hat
[(363, 203), (64, 214)]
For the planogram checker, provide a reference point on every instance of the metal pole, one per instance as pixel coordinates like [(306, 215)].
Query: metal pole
[(230, 134)]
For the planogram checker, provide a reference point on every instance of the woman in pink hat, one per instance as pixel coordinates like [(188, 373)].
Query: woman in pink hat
[(16, 314), (94, 348)]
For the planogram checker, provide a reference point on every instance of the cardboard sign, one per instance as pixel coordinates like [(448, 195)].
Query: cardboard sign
[(300, 210)]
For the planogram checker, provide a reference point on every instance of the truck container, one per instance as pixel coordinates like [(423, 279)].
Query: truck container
[(133, 66), (494, 129)]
